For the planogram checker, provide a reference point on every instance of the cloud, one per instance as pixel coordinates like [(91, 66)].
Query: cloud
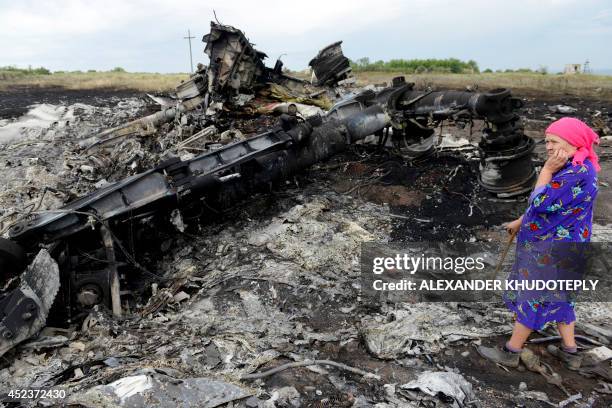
[(61, 18), (79, 34)]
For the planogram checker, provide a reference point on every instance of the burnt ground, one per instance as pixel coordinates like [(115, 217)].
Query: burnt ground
[(442, 195), (538, 107), (16, 100), (434, 199)]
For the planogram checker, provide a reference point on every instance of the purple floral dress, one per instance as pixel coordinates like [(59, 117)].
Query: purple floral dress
[(560, 212)]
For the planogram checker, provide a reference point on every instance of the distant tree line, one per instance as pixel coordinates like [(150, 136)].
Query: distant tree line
[(542, 70), (11, 71), (14, 71), (417, 66)]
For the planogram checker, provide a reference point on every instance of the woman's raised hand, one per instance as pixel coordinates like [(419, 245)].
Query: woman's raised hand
[(556, 161)]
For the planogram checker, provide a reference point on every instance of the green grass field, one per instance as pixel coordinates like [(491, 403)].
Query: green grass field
[(591, 86), (146, 82)]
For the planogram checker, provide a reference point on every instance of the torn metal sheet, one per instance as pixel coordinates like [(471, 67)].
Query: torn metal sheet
[(152, 388), (24, 311), (330, 66), (451, 385), (162, 100)]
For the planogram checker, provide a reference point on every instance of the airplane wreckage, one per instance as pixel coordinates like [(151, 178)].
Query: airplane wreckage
[(77, 254)]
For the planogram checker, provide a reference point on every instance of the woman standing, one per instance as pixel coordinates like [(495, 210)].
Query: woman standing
[(560, 209)]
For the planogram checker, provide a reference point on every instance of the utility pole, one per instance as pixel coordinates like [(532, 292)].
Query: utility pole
[(189, 37)]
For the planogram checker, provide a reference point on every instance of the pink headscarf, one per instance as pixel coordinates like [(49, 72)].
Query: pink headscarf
[(580, 135)]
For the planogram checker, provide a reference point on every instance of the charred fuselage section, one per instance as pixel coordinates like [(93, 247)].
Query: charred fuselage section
[(235, 65)]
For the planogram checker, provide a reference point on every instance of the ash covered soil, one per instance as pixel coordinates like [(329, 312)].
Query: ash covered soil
[(16, 101), (275, 279)]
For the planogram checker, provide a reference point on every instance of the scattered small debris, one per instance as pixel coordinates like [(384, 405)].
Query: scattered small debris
[(564, 109)]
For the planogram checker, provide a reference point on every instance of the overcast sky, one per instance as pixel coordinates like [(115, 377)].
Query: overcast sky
[(147, 35)]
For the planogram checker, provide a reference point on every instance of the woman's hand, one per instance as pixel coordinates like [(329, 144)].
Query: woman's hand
[(514, 226), (556, 161)]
